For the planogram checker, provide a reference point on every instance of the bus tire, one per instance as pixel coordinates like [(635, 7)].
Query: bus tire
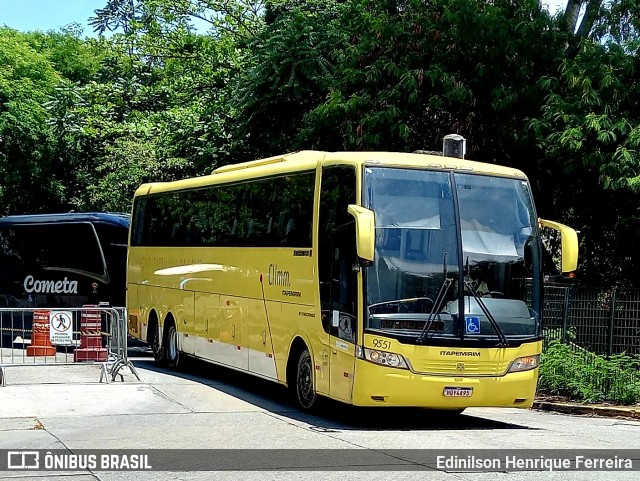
[(154, 343), (454, 412), (302, 388), (446, 414), (172, 353)]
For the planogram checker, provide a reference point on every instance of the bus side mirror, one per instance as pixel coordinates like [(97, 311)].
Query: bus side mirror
[(365, 232), (568, 245)]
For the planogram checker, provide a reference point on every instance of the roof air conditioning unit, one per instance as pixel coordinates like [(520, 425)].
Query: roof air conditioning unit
[(454, 145)]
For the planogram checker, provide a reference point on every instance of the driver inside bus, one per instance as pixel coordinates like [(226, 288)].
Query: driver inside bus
[(473, 277), (478, 284)]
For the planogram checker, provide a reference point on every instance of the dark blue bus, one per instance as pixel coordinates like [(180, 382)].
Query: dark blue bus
[(63, 260)]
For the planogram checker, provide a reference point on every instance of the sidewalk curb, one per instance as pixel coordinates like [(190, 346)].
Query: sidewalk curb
[(632, 412)]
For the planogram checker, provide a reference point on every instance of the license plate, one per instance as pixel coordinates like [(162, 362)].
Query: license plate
[(458, 391)]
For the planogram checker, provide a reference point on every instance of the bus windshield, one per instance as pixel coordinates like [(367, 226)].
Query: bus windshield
[(431, 226)]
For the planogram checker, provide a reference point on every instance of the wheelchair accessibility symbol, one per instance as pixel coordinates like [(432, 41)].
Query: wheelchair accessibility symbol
[(472, 325)]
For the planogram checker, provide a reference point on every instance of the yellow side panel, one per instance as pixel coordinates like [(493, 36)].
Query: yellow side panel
[(305, 322), (231, 327), (207, 321), (134, 325), (342, 367), (248, 304)]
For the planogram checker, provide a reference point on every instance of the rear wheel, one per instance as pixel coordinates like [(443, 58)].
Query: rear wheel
[(154, 343), (172, 353), (302, 389)]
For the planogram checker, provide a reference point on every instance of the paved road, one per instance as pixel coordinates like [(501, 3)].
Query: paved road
[(208, 407)]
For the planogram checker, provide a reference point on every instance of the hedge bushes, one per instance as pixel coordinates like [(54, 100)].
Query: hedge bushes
[(583, 376)]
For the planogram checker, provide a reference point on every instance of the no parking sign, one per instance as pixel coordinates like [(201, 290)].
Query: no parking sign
[(61, 328)]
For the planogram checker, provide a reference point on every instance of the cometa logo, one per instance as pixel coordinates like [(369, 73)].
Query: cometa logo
[(460, 353), (50, 287)]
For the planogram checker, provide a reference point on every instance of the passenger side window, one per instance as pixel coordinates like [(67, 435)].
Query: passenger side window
[(269, 212)]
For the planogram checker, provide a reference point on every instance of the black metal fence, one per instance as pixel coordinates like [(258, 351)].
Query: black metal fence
[(603, 321), (601, 328)]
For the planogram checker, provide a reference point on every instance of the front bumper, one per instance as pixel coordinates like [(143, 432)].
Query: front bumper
[(376, 385)]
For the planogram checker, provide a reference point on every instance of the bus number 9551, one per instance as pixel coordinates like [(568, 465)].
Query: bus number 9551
[(381, 344)]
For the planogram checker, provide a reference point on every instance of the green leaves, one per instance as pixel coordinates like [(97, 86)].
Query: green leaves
[(590, 112), (583, 376), (181, 86), (27, 167), (291, 63)]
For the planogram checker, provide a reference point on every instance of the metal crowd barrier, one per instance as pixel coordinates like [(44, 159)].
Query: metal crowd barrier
[(65, 336)]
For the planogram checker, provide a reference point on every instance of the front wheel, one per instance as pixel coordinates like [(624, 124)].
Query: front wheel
[(453, 412), (303, 390), (172, 353), (444, 414)]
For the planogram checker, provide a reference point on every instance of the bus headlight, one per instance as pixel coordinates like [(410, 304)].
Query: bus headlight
[(384, 358), (525, 363)]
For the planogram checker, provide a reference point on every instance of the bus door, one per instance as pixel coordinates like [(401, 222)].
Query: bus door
[(338, 279), (343, 314)]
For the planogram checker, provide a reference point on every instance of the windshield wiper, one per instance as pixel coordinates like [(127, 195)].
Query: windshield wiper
[(487, 313), (435, 310), (398, 301)]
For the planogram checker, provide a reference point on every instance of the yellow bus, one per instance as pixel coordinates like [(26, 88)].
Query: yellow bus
[(345, 274)]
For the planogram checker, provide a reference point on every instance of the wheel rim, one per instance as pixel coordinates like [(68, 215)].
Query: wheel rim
[(305, 382), (173, 344)]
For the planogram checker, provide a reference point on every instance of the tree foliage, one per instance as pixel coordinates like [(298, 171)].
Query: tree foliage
[(589, 133), (410, 76), (28, 168), (173, 88)]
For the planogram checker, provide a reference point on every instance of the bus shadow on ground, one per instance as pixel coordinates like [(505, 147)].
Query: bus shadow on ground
[(329, 415)]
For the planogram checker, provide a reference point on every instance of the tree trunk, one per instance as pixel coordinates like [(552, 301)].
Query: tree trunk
[(571, 14), (589, 18), (591, 13)]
